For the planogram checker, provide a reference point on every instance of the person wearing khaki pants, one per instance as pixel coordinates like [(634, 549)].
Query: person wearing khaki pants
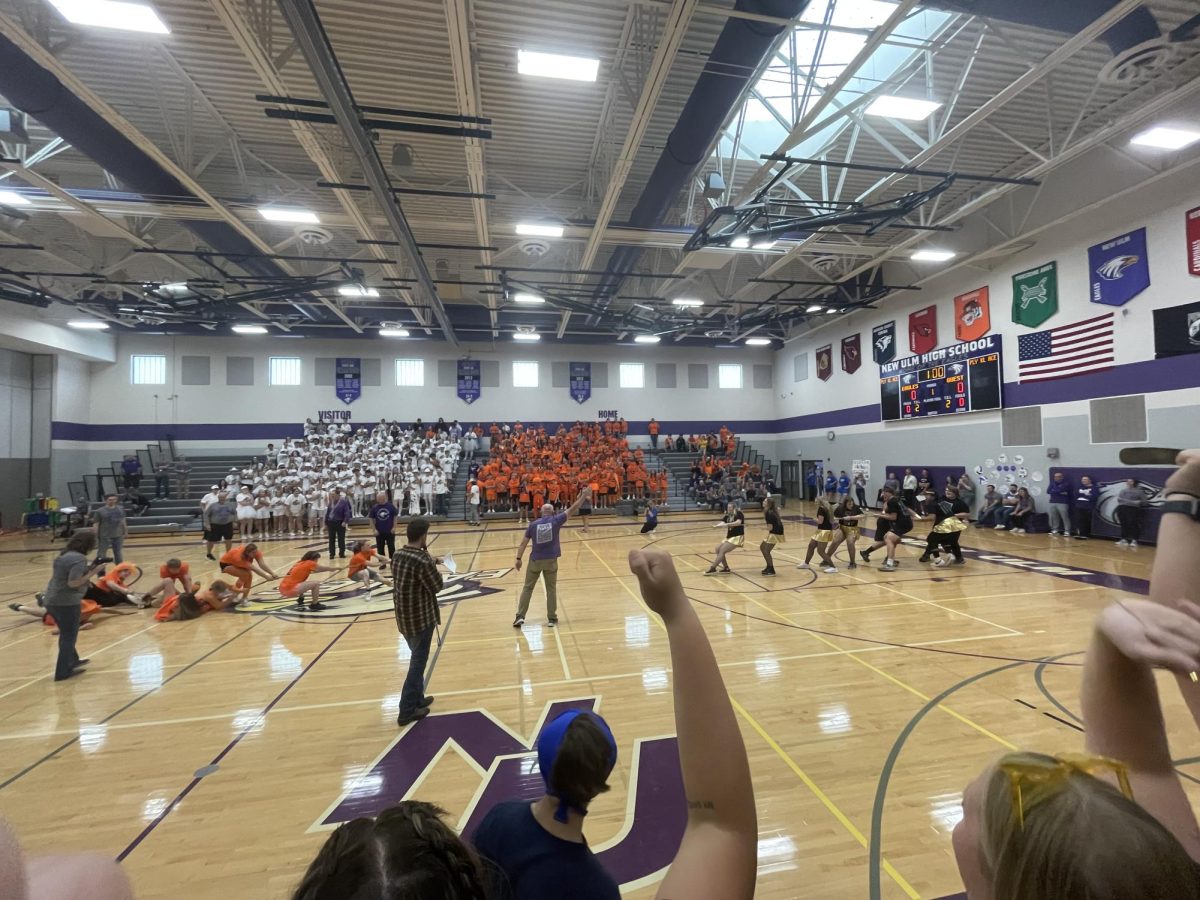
[(543, 561)]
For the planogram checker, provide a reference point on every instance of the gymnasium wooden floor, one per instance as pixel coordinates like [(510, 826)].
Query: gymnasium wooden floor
[(213, 756)]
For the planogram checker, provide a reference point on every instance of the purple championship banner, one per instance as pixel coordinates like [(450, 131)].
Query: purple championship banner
[(580, 374), (348, 379), (468, 380)]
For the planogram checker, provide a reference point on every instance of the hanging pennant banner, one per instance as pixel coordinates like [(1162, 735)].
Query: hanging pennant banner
[(883, 343), (851, 354), (347, 383), (581, 381), (972, 315), (1120, 268), (1193, 240), (1035, 295), (825, 362), (922, 330), (468, 380)]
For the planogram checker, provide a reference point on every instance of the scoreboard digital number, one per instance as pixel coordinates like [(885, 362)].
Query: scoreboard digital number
[(963, 378)]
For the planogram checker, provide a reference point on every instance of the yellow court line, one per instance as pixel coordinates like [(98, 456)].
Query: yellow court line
[(825, 799), (562, 656)]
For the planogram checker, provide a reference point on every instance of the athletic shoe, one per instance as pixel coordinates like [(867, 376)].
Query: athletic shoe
[(1133, 545), (518, 621), (414, 716), (1122, 543), (317, 607), (866, 555), (1055, 533), (552, 622), (998, 527), (427, 701), (711, 570), (40, 598), (852, 566), (830, 570), (804, 566), (941, 562), (726, 570), (888, 564), (924, 558), (15, 607), (210, 556), (767, 573)]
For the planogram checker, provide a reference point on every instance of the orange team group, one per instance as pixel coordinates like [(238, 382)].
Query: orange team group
[(529, 468)]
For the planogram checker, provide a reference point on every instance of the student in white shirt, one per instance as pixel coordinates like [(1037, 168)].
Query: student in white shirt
[(295, 507), (473, 499)]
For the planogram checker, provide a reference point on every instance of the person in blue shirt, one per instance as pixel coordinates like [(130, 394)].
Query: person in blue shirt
[(831, 487), (843, 486), (1061, 492), (651, 518), (537, 849), (383, 519)]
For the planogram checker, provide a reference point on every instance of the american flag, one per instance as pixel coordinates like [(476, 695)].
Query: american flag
[(1085, 346)]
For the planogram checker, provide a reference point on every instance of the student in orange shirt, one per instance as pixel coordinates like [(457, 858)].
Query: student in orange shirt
[(298, 581), (171, 572), (489, 491), (112, 589), (242, 563), (193, 604), (361, 555), (523, 509)]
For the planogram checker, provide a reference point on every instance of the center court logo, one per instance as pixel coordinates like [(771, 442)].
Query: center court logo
[(344, 599)]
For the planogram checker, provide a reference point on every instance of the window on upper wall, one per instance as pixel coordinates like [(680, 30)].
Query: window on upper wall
[(151, 369), (729, 376), (410, 373), (525, 374), (283, 371), (633, 375)]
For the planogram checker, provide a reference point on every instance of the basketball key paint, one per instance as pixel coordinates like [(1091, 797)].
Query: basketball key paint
[(656, 809)]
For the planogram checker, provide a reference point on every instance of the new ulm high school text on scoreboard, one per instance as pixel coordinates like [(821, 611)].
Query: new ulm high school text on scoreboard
[(961, 378)]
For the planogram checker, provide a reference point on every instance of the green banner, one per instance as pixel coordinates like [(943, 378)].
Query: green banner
[(1035, 295)]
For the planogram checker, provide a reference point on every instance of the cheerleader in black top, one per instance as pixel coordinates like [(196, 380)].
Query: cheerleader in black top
[(820, 541), (734, 522)]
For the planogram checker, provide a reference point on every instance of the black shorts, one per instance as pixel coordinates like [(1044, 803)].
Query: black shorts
[(902, 526), (219, 533), (882, 529), (583, 510)]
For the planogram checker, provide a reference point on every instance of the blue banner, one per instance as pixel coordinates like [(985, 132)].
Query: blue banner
[(581, 382), (468, 380), (348, 379), (1120, 268)]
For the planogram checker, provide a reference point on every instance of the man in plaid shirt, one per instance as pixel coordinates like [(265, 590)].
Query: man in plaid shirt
[(415, 586)]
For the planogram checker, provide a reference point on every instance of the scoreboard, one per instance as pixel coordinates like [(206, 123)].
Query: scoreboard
[(962, 378)]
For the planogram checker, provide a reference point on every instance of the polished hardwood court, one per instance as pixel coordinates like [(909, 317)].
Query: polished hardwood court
[(213, 756)]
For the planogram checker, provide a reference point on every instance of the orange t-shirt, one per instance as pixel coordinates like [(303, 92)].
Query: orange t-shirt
[(297, 574), (652, 428), (235, 558), (116, 576), (164, 572), (360, 561)]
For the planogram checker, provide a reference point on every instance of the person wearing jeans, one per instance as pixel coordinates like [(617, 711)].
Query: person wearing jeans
[(337, 517), (473, 499), (1129, 513), (989, 508), (63, 599), (111, 528), (1061, 492), (415, 586), (543, 561)]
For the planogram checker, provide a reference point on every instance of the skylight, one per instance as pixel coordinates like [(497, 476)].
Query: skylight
[(112, 14)]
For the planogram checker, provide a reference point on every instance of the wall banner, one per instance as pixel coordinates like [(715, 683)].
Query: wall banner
[(468, 380), (348, 379), (581, 381)]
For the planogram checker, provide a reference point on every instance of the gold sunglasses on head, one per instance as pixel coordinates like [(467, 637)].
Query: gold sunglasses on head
[(1033, 781)]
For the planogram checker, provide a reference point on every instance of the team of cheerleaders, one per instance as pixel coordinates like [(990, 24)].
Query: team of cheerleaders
[(1116, 823)]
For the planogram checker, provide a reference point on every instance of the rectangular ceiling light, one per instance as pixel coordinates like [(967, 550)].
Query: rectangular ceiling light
[(932, 256), (646, 339), (287, 215), (112, 14), (532, 229), (907, 108), (556, 65), (88, 324), (758, 342), (528, 298), (393, 332), (356, 290), (687, 301), (527, 336), (1166, 138), (11, 198), (248, 329)]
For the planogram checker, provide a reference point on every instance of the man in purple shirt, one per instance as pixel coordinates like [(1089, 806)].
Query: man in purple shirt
[(544, 558), (337, 517)]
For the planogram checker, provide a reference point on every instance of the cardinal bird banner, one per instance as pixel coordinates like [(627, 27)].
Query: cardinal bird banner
[(972, 315), (1035, 295), (883, 343), (1120, 269), (825, 362), (922, 330), (851, 354), (1193, 240)]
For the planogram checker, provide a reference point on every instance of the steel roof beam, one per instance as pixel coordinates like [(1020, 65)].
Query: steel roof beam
[(314, 45)]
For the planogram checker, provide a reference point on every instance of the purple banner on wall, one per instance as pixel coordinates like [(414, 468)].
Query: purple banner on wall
[(581, 381), (1110, 482), (348, 379), (468, 380), (1119, 268)]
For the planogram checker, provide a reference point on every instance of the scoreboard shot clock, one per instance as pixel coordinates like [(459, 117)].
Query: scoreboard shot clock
[(962, 378)]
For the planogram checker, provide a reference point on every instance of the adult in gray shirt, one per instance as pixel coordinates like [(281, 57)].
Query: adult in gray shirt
[(111, 528), (218, 522), (64, 595)]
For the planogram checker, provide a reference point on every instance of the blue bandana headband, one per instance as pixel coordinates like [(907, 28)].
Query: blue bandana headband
[(549, 742)]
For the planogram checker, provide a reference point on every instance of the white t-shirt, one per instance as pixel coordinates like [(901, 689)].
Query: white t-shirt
[(474, 501)]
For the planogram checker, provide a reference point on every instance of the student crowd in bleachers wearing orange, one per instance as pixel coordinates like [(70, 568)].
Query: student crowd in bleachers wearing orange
[(529, 468)]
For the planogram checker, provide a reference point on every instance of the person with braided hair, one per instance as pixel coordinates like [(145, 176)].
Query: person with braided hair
[(406, 851)]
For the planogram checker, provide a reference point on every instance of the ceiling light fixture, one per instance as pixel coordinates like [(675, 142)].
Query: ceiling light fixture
[(289, 215), (249, 329), (758, 342), (1162, 138), (533, 229), (832, 312), (646, 339), (741, 242), (524, 297), (557, 65), (112, 14), (88, 325), (12, 198), (764, 243), (932, 256), (815, 308), (687, 301), (393, 332), (527, 336), (909, 109), (357, 290)]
